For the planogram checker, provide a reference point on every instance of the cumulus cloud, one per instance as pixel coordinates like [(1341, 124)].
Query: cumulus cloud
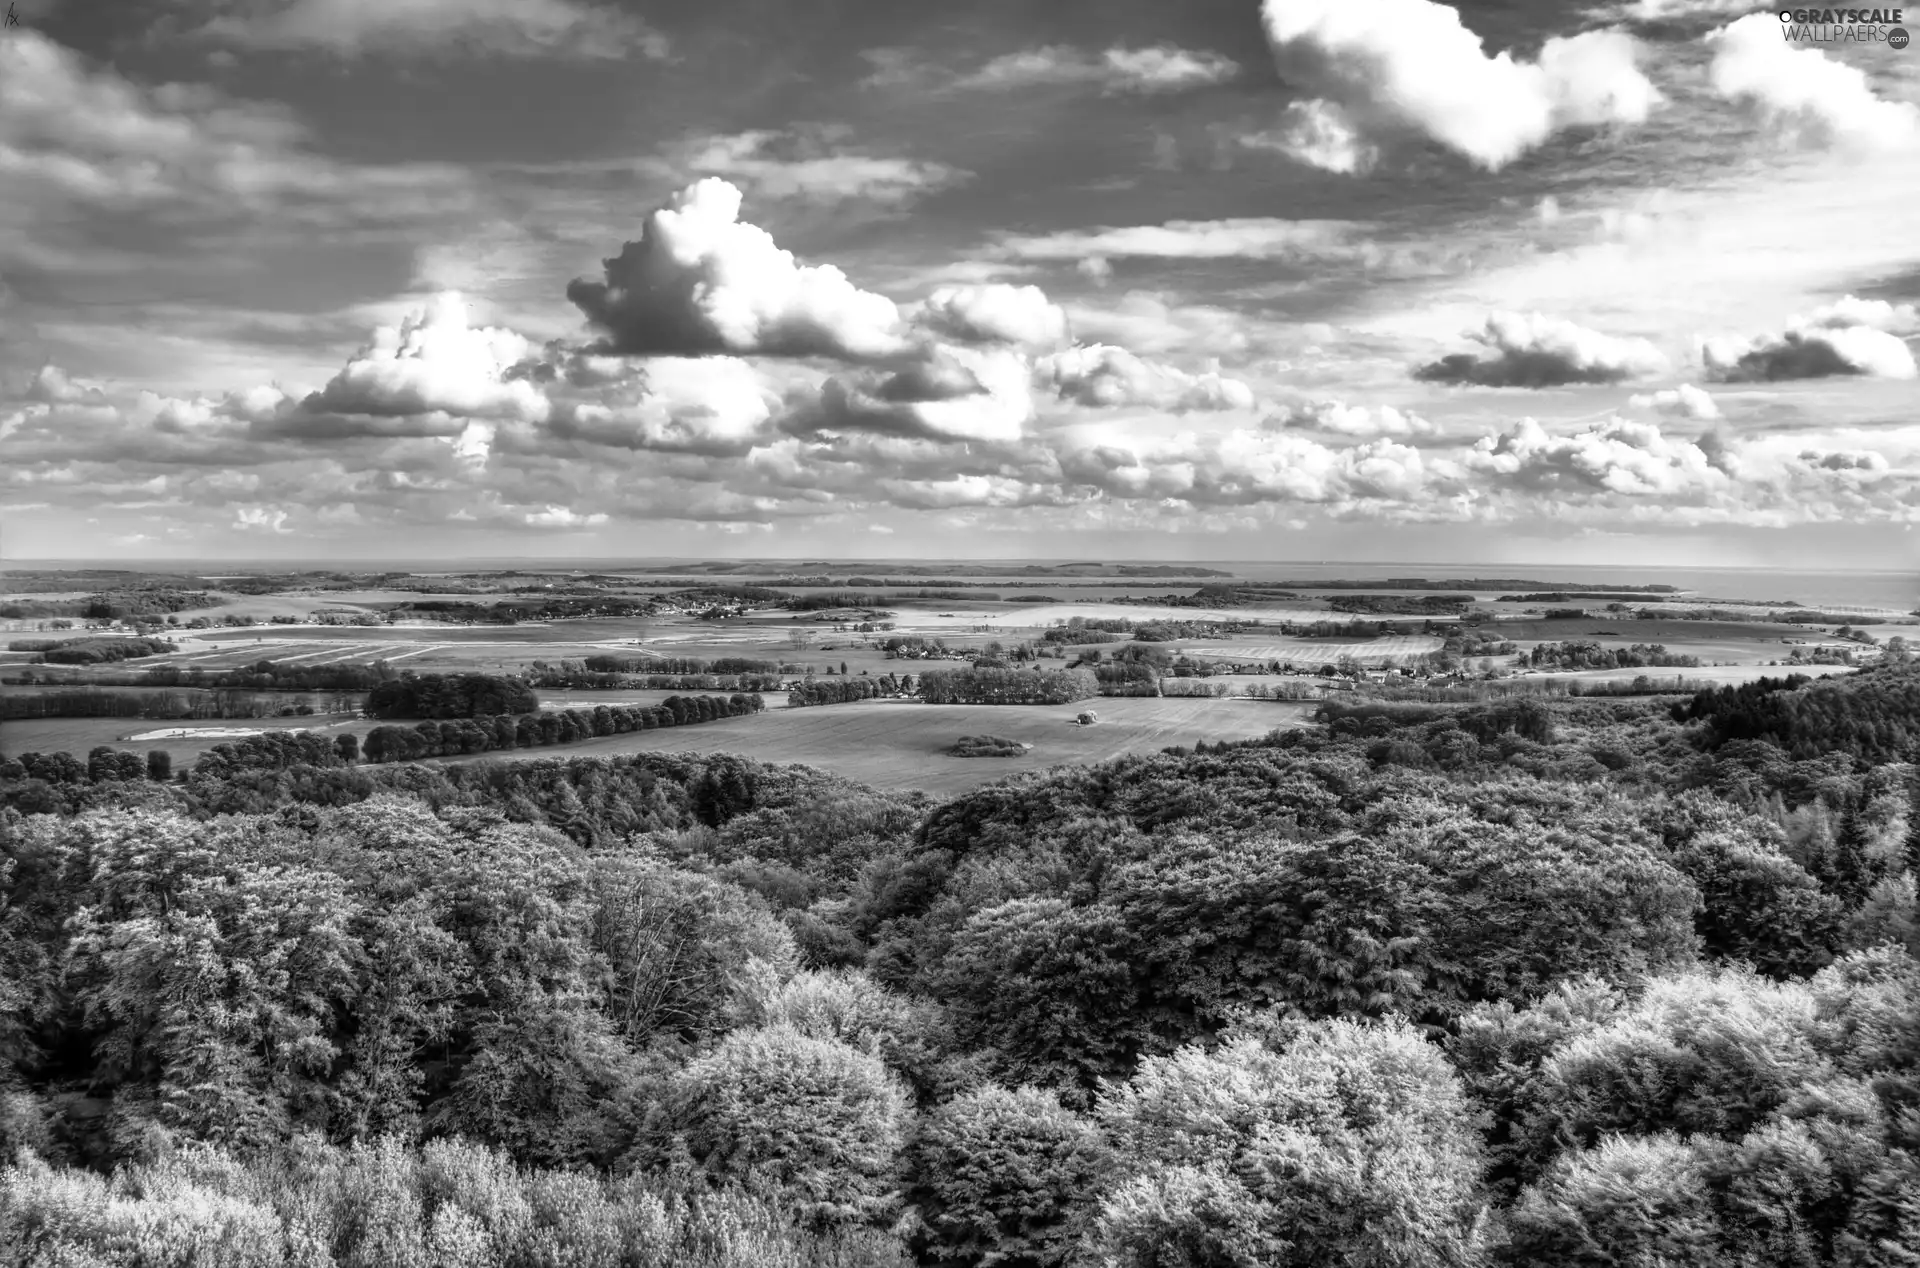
[(700, 280), (1532, 350), (813, 164), (1106, 377), (704, 405), (1809, 96), (1613, 456), (260, 519), (434, 361), (1341, 419), (1684, 401), (1155, 69), (512, 28), (54, 386), (951, 394), (993, 313), (1414, 66), (1851, 336), (563, 517), (1808, 353), (1247, 467), (1875, 314)]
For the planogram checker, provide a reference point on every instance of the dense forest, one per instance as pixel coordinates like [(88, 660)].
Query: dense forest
[(1529, 983), (450, 696)]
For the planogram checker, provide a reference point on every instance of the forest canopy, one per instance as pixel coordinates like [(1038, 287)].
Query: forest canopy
[(1532, 984)]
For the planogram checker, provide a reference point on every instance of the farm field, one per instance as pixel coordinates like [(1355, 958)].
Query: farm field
[(1314, 651), (1719, 674), (79, 736), (900, 744)]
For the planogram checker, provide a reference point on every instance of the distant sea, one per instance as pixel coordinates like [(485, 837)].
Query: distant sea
[(1898, 590)]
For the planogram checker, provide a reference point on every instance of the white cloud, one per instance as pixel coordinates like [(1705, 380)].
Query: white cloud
[(1096, 269), (1247, 467), (1253, 238), (993, 313), (1156, 69), (1876, 314), (1851, 336), (435, 362), (260, 519), (1808, 353), (948, 394), (1148, 324), (1533, 350), (700, 280), (1412, 65), (1320, 134), (1684, 401), (812, 164), (1103, 376), (703, 405), (1802, 91), (54, 386), (1353, 420), (563, 517), (514, 28), (1615, 456)]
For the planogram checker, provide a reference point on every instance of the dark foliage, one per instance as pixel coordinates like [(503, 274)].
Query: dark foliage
[(450, 696)]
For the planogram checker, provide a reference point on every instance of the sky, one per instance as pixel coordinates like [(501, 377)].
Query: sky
[(1617, 281)]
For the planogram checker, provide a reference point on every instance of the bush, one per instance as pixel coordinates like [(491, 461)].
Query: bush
[(814, 1122), (1334, 1143), (987, 746), (1006, 1176), (1627, 1201)]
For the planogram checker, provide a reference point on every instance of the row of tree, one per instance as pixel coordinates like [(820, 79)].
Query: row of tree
[(682, 665), (1007, 686), (818, 691), (465, 736), (97, 702), (92, 651), (1592, 655), (450, 696)]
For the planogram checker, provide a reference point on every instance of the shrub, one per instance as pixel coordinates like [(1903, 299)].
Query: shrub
[(987, 746), (1626, 1201), (1332, 1143), (814, 1122), (1006, 1177)]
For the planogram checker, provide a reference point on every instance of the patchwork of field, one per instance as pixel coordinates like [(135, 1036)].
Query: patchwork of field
[(1313, 651), (900, 744)]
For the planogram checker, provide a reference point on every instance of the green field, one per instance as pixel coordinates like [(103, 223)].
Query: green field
[(81, 735), (900, 744)]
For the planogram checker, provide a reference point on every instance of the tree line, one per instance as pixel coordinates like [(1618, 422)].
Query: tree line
[(1593, 655), (95, 702), (450, 696), (483, 734), (1007, 686), (91, 651), (819, 691)]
